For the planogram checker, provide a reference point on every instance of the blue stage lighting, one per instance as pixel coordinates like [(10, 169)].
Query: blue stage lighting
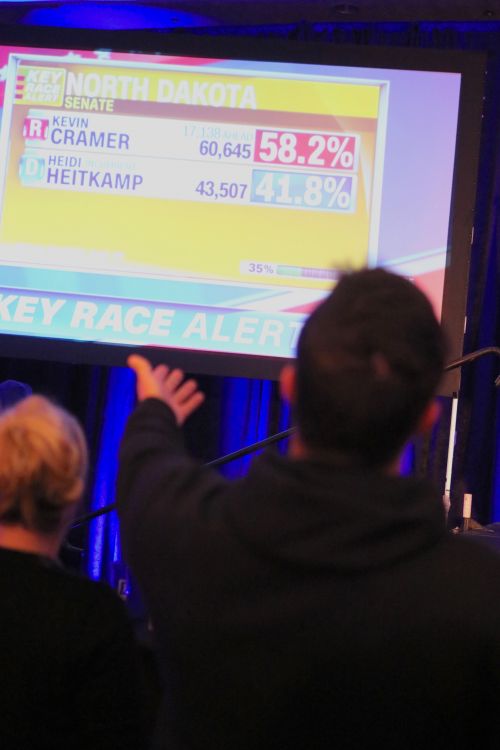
[(111, 15)]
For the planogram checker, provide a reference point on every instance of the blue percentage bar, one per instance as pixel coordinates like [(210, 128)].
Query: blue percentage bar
[(304, 190)]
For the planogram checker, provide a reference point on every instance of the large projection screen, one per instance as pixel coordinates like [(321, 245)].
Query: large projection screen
[(205, 198)]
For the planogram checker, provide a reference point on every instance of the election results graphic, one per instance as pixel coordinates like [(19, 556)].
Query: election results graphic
[(201, 204)]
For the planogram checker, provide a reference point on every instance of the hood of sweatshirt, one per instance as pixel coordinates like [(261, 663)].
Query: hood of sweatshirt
[(307, 512)]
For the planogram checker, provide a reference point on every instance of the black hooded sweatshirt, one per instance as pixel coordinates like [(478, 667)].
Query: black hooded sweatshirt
[(307, 607)]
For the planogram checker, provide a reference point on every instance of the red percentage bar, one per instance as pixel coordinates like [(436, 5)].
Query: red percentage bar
[(324, 150)]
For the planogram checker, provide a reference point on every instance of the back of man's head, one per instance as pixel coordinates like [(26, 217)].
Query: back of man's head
[(369, 361)]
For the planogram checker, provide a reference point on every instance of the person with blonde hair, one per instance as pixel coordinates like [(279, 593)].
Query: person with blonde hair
[(68, 661)]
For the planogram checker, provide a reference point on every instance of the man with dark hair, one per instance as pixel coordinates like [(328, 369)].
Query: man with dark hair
[(374, 342), (317, 603)]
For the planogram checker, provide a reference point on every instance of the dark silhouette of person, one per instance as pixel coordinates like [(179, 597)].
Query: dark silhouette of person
[(319, 602)]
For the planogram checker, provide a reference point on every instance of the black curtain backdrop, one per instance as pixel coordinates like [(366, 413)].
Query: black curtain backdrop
[(84, 389)]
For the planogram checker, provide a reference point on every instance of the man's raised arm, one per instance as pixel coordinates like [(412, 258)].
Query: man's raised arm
[(159, 485)]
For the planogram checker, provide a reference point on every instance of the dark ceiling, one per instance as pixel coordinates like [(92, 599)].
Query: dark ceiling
[(291, 11), (181, 13)]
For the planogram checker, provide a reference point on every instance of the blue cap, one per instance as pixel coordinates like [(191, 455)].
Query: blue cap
[(12, 391)]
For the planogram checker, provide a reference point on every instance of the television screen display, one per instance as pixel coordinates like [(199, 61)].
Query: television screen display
[(207, 203)]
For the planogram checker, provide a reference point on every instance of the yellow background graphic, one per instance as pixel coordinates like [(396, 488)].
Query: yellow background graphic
[(202, 238)]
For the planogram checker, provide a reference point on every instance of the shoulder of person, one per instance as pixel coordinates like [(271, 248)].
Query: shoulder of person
[(96, 595)]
